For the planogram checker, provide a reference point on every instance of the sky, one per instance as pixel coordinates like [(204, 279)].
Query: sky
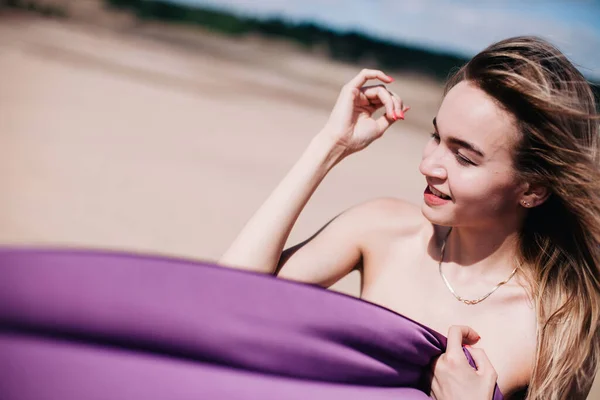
[(459, 26)]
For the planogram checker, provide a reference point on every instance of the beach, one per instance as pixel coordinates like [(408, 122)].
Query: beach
[(135, 140)]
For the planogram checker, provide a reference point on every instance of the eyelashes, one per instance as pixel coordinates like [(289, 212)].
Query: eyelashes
[(462, 160)]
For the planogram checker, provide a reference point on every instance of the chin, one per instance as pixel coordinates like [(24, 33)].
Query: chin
[(437, 216)]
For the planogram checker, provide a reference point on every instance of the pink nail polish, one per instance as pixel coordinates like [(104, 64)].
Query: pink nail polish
[(391, 79), (401, 116)]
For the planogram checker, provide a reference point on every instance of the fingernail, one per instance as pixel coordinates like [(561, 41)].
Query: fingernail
[(391, 79), (395, 116), (467, 346), (401, 114)]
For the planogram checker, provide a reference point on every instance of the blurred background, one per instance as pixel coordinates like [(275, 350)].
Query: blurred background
[(160, 127)]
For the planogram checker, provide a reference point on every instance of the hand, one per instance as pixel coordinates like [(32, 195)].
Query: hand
[(453, 376), (351, 124)]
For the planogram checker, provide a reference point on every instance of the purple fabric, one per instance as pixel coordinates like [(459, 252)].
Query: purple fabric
[(101, 325)]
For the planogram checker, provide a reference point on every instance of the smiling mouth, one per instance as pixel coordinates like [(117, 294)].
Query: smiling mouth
[(438, 193)]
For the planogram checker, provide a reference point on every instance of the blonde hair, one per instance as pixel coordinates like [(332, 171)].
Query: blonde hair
[(556, 115)]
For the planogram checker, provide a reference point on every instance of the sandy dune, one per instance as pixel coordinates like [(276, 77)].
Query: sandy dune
[(164, 141), (123, 141)]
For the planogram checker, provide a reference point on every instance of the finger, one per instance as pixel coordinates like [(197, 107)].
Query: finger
[(435, 388), (459, 335), (398, 105), (435, 385), (384, 122), (366, 74), (397, 111), (384, 96), (484, 366)]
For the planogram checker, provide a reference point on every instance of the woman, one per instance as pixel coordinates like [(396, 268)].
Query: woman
[(503, 252)]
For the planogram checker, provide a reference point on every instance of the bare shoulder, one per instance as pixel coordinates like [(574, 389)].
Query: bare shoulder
[(341, 245)]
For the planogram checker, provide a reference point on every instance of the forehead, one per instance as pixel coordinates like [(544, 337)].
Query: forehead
[(468, 113)]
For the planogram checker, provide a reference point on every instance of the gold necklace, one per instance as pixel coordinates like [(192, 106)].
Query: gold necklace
[(459, 298)]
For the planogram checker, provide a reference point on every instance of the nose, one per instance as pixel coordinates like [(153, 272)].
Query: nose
[(431, 165)]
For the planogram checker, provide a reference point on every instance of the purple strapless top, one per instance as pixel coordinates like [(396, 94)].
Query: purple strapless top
[(103, 325)]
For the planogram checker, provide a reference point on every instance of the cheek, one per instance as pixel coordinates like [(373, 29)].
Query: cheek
[(475, 188)]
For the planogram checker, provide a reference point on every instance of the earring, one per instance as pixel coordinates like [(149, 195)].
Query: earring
[(525, 203)]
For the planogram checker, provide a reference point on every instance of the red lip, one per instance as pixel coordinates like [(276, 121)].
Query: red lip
[(433, 200)]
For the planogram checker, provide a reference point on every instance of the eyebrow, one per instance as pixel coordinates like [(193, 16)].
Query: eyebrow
[(461, 143)]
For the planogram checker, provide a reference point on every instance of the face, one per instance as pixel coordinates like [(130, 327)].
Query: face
[(469, 160)]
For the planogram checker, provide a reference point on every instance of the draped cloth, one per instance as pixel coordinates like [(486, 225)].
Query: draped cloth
[(81, 324)]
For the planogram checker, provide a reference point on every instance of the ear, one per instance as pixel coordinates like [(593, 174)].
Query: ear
[(533, 195)]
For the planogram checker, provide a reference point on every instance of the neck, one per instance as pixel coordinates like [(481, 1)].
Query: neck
[(476, 251)]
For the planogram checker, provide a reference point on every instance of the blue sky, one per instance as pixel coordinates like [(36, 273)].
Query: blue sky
[(462, 26)]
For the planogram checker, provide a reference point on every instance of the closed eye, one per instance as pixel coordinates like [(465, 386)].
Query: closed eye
[(461, 159)]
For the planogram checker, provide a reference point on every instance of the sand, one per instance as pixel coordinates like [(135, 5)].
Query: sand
[(122, 140), (158, 140)]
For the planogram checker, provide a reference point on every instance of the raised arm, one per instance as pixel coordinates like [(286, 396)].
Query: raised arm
[(350, 128)]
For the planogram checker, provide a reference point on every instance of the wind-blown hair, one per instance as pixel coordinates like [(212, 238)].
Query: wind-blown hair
[(556, 116)]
